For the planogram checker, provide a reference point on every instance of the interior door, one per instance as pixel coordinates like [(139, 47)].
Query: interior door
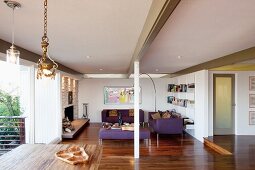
[(224, 106)]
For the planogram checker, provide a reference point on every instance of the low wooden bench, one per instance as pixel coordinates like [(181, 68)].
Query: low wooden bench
[(78, 124)]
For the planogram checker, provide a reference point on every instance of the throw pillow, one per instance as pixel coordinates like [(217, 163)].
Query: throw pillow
[(131, 113), (113, 113), (156, 116), (176, 115), (163, 112), (166, 115), (160, 112)]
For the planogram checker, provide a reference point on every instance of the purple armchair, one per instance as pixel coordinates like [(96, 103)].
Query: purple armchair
[(166, 126)]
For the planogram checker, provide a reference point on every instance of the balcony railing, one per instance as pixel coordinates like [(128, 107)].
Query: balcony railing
[(12, 132)]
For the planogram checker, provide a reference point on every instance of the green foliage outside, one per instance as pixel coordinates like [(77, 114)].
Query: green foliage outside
[(9, 104)]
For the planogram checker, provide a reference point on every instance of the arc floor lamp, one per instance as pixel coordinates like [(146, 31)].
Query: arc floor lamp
[(155, 91)]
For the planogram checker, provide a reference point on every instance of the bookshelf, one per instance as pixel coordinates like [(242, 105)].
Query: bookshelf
[(182, 95)]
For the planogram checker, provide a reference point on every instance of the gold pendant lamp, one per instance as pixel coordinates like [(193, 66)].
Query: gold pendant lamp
[(46, 66)]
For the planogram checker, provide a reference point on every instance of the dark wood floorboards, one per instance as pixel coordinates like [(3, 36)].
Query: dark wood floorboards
[(235, 143), (171, 152)]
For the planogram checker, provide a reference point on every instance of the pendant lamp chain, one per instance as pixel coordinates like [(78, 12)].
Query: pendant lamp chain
[(46, 66), (13, 26), (45, 20)]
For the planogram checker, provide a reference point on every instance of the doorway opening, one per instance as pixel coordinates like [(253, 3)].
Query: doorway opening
[(223, 104)]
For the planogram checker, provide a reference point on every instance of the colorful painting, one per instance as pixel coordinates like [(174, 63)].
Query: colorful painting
[(119, 95)]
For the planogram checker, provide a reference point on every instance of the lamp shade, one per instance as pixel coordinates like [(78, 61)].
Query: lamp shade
[(12, 55)]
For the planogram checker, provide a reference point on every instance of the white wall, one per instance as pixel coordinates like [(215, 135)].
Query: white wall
[(201, 105), (91, 91), (242, 126)]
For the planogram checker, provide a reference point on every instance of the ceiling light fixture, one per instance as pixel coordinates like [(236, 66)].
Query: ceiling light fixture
[(179, 57), (46, 66), (12, 54)]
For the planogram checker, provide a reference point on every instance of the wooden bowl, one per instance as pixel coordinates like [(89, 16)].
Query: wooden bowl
[(73, 155)]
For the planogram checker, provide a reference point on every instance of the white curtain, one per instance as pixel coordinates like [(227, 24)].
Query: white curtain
[(47, 110), (25, 99)]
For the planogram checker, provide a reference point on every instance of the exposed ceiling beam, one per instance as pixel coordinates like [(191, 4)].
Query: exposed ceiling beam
[(236, 67), (240, 56), (159, 13), (30, 56)]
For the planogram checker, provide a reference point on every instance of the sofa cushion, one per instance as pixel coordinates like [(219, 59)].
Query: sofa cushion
[(113, 113), (162, 112), (131, 112), (156, 115), (166, 115), (124, 114)]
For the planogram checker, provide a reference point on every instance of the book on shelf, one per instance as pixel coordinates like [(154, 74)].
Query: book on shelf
[(170, 87), (179, 102), (183, 88), (177, 88), (191, 85), (170, 99)]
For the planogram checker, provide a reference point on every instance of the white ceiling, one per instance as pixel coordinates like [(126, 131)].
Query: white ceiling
[(199, 31), (106, 30)]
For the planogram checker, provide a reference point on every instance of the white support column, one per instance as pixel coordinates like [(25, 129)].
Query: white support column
[(136, 109), (32, 106)]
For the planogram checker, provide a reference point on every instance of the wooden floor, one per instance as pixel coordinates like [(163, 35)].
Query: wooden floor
[(235, 144), (170, 152)]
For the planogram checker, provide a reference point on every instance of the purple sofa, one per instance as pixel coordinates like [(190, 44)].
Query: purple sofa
[(166, 126), (124, 113)]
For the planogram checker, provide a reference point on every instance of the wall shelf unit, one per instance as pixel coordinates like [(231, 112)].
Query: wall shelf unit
[(181, 96)]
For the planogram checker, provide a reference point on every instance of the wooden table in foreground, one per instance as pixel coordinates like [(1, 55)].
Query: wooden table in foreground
[(40, 156)]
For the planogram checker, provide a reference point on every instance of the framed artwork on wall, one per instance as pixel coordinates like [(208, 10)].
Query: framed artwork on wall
[(252, 100), (252, 83), (252, 118), (119, 95)]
